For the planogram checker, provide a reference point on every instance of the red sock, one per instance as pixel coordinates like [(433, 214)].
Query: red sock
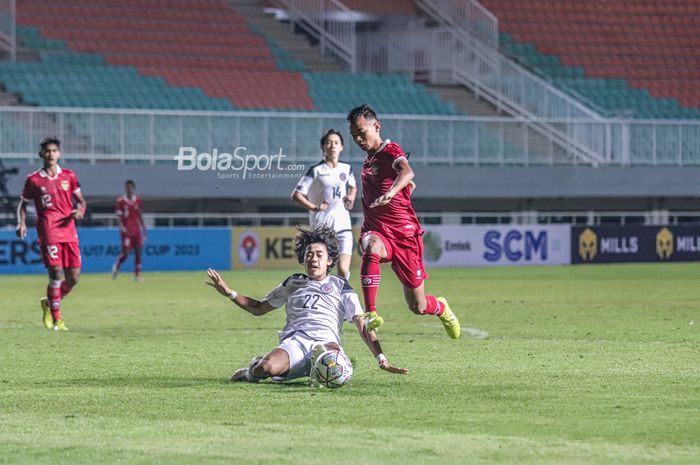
[(65, 289), (370, 274), (433, 306), (54, 296)]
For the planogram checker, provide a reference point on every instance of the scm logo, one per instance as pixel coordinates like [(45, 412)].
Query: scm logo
[(515, 245)]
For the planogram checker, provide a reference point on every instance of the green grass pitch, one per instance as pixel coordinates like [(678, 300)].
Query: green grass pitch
[(582, 365)]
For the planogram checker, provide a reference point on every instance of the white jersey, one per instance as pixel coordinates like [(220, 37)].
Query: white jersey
[(323, 183), (315, 308)]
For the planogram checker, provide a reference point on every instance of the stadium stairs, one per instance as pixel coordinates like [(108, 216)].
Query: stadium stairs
[(295, 46), (632, 58)]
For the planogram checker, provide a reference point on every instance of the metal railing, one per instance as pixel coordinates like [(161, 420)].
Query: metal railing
[(8, 36), (442, 56), (152, 136), (580, 218), (328, 21), (468, 16)]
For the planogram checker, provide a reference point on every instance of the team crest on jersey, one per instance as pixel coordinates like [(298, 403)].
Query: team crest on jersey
[(343, 177), (326, 288), (65, 185), (375, 169)]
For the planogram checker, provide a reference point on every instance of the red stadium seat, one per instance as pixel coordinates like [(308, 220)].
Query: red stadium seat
[(646, 42), (190, 43)]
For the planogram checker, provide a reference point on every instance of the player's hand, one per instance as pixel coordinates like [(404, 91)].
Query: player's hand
[(77, 214), (382, 200), (349, 202), (411, 187), (322, 207), (21, 231), (386, 366), (217, 282)]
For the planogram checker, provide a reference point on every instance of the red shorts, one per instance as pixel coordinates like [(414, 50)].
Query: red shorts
[(406, 257), (63, 254), (132, 240)]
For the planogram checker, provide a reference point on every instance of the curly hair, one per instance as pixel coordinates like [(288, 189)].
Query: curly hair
[(321, 234)]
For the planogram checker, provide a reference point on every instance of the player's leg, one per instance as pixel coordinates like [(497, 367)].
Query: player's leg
[(51, 255), (137, 263), (51, 304), (69, 273), (72, 277), (275, 363), (374, 249), (345, 253), (409, 268), (422, 304), (126, 249)]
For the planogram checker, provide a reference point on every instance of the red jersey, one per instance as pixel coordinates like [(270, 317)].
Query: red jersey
[(129, 210), (397, 219), (53, 198)]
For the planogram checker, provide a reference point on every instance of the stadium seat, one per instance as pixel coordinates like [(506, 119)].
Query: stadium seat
[(642, 45)]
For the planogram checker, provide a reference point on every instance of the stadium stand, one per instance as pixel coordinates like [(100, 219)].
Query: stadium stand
[(385, 7), (637, 59), (192, 55)]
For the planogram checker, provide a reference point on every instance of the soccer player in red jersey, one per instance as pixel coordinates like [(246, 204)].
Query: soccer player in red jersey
[(52, 189), (131, 226), (391, 231)]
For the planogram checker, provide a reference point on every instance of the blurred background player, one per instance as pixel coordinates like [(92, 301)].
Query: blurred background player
[(131, 227), (316, 304), (52, 189), (328, 191), (391, 231)]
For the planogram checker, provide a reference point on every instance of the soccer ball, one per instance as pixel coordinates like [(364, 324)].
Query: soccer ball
[(332, 369)]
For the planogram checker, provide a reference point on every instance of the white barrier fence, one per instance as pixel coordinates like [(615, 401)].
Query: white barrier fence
[(152, 136)]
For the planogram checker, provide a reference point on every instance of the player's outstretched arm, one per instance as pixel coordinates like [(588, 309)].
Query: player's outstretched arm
[(404, 178), (370, 338), (349, 199), (21, 219), (250, 305), (302, 200)]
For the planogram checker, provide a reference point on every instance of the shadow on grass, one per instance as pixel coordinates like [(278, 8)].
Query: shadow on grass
[(155, 382)]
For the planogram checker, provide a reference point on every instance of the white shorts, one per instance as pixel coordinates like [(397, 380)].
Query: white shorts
[(298, 347), (345, 241)]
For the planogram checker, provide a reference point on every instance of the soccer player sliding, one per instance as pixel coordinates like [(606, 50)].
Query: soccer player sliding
[(391, 231), (52, 189), (316, 304)]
